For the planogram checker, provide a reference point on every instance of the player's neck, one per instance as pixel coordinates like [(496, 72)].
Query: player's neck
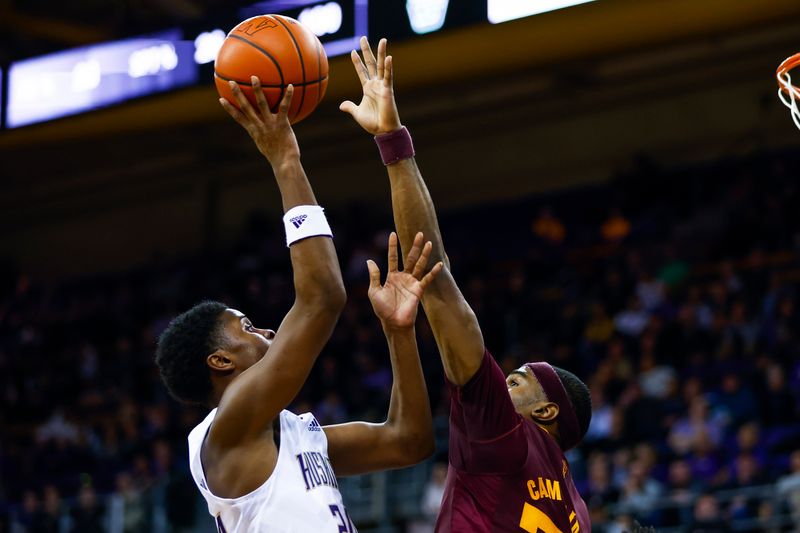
[(551, 429), (218, 387)]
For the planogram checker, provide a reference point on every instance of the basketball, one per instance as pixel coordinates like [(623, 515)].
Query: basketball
[(280, 51)]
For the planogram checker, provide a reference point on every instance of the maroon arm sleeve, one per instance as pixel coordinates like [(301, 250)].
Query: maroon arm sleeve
[(486, 434)]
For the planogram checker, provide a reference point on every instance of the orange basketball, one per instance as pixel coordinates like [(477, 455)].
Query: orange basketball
[(280, 51)]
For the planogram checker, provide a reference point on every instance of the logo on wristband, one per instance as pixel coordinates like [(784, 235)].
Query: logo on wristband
[(298, 220)]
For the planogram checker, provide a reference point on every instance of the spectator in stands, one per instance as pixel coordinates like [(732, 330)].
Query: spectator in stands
[(705, 461), (431, 500), (600, 426), (734, 401), (748, 441), (779, 404), (88, 515), (682, 489), (616, 227), (655, 380), (686, 431), (134, 505), (600, 327), (746, 473), (548, 228), (633, 319), (788, 489), (52, 517), (640, 492), (600, 491), (707, 516)]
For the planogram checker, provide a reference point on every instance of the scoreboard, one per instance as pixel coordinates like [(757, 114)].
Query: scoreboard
[(81, 79)]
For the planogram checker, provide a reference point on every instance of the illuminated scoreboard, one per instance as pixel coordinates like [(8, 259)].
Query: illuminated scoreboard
[(337, 23), (77, 80)]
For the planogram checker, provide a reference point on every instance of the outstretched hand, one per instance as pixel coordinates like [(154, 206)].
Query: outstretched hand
[(271, 132), (396, 301), (377, 111)]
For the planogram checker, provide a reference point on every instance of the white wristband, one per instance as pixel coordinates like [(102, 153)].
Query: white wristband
[(304, 221)]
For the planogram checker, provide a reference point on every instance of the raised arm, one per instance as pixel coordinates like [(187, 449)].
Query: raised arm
[(406, 437), (453, 322), (254, 398)]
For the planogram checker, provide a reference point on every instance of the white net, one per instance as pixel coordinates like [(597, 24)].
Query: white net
[(789, 95)]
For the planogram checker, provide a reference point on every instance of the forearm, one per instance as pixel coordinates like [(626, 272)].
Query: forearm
[(455, 327), (293, 183), (317, 277), (413, 208), (409, 416)]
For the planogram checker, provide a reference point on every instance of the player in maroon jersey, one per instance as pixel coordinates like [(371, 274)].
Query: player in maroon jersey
[(508, 434)]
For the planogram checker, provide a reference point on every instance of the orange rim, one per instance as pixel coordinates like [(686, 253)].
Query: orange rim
[(788, 64)]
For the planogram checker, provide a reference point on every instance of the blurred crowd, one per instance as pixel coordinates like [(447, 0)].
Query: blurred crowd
[(672, 293)]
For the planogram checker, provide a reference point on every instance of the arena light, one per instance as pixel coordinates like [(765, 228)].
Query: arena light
[(322, 19), (77, 80), (206, 46), (426, 15), (505, 10)]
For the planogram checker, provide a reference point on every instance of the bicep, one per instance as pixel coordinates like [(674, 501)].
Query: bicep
[(455, 327), (255, 397), (361, 447)]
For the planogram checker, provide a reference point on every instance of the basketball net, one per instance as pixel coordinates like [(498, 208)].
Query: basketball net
[(787, 92)]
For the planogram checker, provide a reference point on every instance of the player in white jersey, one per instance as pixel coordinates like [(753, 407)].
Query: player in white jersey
[(260, 467)]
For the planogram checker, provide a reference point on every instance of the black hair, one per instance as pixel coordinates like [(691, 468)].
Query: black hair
[(183, 348), (578, 394)]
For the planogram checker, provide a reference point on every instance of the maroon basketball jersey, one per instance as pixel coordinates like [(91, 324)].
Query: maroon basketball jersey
[(506, 473)]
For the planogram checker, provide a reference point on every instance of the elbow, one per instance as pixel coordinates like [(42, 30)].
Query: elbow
[(336, 296), (416, 448)]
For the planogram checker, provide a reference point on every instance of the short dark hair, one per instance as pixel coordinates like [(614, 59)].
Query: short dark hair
[(578, 394), (183, 348)]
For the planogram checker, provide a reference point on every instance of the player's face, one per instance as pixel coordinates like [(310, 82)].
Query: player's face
[(524, 390), (246, 343)]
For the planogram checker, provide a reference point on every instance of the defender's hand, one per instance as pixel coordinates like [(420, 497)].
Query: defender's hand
[(396, 302), (271, 132), (377, 111)]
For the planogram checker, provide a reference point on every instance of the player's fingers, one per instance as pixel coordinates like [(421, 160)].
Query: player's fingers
[(286, 101), (261, 100), (348, 107), (388, 72), (381, 63), (244, 104), (361, 70), (369, 59), (374, 274), (422, 262), (428, 278), (413, 254), (233, 112), (392, 253)]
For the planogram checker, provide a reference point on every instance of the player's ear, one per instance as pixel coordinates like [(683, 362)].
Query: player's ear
[(220, 361), (544, 412)]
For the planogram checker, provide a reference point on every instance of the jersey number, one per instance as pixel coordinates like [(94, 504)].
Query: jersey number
[(345, 524), (534, 520)]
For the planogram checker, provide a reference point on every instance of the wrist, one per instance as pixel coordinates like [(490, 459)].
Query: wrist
[(391, 330), (395, 146), (283, 162)]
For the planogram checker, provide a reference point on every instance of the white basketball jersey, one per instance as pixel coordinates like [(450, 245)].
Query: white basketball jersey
[(301, 495)]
